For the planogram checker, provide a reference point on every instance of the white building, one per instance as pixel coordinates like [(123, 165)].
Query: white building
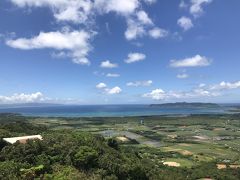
[(22, 139)]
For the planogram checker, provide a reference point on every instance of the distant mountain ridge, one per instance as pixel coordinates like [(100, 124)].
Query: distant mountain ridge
[(186, 105)]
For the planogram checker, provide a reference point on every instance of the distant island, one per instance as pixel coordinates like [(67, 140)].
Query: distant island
[(186, 105)]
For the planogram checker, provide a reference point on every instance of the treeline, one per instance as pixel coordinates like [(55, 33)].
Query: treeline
[(72, 154)]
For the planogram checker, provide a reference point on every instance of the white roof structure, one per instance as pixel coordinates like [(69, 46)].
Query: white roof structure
[(22, 139)]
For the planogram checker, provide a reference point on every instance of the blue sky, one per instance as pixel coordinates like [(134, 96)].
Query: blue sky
[(119, 51)]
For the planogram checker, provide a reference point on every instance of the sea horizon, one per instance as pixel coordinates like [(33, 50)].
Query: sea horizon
[(113, 110)]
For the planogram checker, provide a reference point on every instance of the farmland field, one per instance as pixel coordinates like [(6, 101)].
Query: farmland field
[(195, 138)]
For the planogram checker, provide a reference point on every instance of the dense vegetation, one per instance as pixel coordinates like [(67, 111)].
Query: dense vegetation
[(74, 154)]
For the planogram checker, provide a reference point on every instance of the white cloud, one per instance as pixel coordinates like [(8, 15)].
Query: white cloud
[(185, 23), (196, 61), (143, 26), (196, 7), (122, 7), (143, 17), (76, 11), (226, 85), (182, 76), (157, 33), (137, 19), (101, 86), (84, 12), (220, 87), (200, 91), (77, 43), (157, 94), (113, 75), (36, 97), (138, 25), (108, 64), (115, 90), (110, 91), (134, 30), (22, 98), (135, 57), (80, 11), (140, 83)]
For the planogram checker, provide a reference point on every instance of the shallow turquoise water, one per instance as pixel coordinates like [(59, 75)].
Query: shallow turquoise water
[(109, 110)]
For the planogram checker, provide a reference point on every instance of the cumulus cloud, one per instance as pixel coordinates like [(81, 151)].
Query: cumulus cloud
[(140, 83), (122, 7), (84, 12), (76, 11), (113, 75), (157, 94), (108, 64), (196, 8), (157, 33), (139, 24), (36, 97), (220, 87), (134, 30), (76, 43), (101, 86), (196, 61), (22, 98), (137, 29), (226, 85), (135, 57), (137, 19), (114, 90), (80, 11), (202, 90), (185, 23), (182, 76), (143, 17)]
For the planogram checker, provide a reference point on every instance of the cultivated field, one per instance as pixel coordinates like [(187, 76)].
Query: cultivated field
[(179, 141)]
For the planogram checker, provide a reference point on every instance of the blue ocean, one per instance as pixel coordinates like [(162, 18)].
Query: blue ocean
[(108, 110)]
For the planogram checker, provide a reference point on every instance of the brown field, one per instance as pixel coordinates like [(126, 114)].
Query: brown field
[(172, 164), (221, 166)]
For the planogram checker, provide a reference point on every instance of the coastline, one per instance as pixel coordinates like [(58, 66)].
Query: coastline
[(113, 111)]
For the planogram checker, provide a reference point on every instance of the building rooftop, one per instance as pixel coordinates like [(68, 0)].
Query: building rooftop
[(22, 139)]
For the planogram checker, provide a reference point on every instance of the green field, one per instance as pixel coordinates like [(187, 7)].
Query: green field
[(195, 138), (199, 137)]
